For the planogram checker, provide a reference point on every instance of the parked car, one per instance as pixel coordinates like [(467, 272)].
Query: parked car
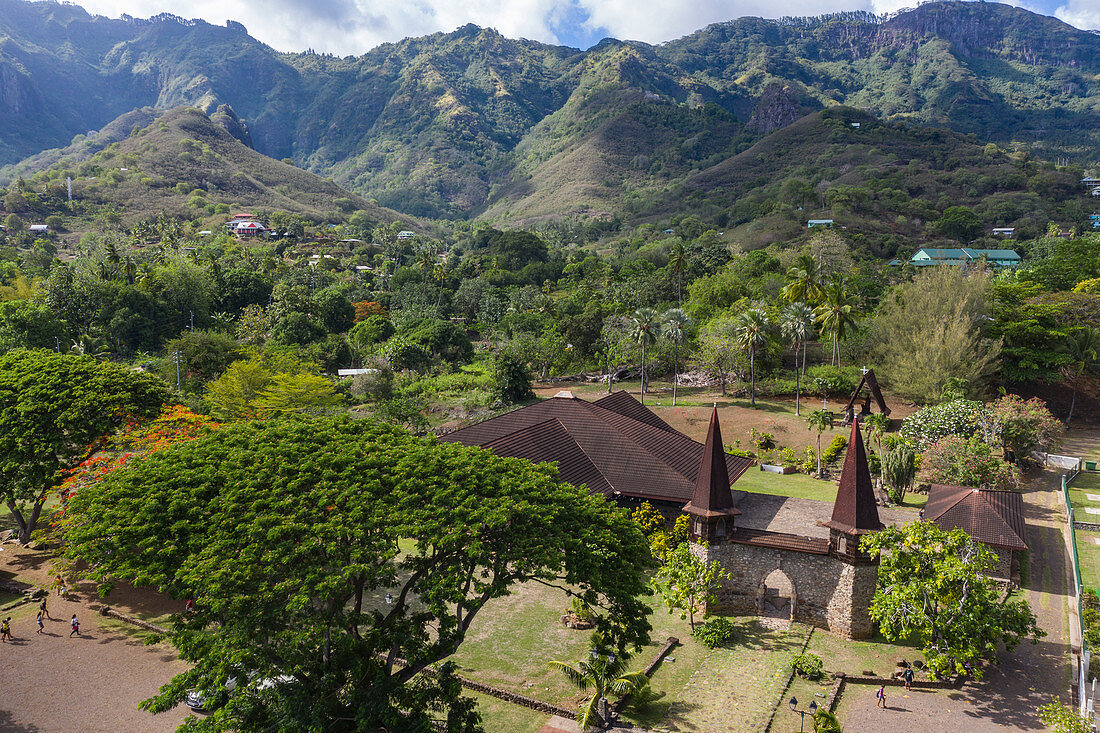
[(201, 702)]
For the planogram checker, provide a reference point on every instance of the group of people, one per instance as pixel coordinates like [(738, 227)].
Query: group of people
[(40, 620), (907, 677)]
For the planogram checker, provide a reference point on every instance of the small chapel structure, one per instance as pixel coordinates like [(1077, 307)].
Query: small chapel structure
[(795, 559)]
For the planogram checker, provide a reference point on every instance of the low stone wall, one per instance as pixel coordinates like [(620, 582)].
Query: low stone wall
[(108, 611), (1087, 526), (842, 679), (508, 696)]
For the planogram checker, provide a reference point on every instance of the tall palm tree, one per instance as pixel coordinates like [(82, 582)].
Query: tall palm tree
[(819, 420), (676, 323), (751, 333), (606, 675), (837, 314), (803, 280), (646, 327), (678, 263), (796, 322), (1083, 348)]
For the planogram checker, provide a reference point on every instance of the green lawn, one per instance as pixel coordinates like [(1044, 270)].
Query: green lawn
[(499, 716), (513, 638), (802, 486)]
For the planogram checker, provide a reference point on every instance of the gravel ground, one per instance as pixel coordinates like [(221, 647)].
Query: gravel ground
[(52, 683), (94, 682)]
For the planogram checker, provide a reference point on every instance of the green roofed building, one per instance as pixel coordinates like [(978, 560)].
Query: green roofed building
[(963, 256)]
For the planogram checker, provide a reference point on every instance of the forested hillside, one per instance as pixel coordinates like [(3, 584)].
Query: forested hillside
[(470, 123)]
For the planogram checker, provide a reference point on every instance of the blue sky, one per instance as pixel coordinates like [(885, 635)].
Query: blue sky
[(354, 26)]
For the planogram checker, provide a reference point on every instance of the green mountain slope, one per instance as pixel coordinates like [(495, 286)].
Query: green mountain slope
[(183, 163), (470, 123)]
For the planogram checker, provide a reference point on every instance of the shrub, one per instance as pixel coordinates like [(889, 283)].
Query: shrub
[(763, 441), (832, 451), (831, 381), (715, 632), (968, 462), (511, 378), (1025, 425), (808, 666), (963, 418)]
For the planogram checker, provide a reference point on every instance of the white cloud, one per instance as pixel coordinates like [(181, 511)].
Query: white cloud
[(654, 21), (1080, 13), (355, 26), (349, 26)]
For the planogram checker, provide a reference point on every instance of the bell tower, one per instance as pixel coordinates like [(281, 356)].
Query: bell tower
[(855, 514), (711, 507)]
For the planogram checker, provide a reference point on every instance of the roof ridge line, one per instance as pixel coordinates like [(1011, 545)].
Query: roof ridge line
[(569, 435), (689, 479)]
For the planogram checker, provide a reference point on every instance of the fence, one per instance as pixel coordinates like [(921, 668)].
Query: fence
[(1084, 700)]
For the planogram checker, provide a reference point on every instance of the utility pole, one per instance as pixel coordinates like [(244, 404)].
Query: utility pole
[(176, 358), (192, 319), (57, 346)]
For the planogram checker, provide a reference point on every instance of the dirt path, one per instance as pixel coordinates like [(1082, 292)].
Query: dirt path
[(52, 682), (1008, 696)]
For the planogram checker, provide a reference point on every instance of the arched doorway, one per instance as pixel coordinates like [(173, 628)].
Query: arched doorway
[(777, 596)]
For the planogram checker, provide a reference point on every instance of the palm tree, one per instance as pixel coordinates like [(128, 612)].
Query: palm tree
[(837, 314), (676, 323), (1083, 348), (751, 333), (678, 262), (606, 675), (796, 322), (804, 280), (646, 328), (439, 274), (819, 420)]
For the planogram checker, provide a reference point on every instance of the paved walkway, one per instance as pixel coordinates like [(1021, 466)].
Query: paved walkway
[(1009, 695)]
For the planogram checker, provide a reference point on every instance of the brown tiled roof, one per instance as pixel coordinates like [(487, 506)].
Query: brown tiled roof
[(624, 403), (780, 540), (550, 441), (712, 495), (854, 511), (632, 457), (993, 517)]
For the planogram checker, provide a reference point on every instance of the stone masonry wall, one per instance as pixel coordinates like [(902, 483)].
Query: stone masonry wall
[(828, 593)]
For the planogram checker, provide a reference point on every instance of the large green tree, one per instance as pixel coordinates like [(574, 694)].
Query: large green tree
[(933, 588), (52, 407), (350, 556), (930, 330)]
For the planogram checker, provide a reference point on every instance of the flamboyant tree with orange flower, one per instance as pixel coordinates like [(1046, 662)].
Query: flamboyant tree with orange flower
[(175, 424), (365, 308)]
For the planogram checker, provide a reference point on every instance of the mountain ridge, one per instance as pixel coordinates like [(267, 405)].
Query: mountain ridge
[(455, 125)]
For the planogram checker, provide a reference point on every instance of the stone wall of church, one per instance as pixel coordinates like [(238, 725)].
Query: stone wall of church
[(825, 591)]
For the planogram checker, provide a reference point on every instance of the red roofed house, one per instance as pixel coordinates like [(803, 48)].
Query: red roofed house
[(782, 554), (994, 518)]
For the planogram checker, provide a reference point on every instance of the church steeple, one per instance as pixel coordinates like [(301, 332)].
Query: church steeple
[(711, 506), (855, 511)]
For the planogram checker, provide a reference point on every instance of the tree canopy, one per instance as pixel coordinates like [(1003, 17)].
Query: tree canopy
[(288, 534), (932, 587), (52, 407)]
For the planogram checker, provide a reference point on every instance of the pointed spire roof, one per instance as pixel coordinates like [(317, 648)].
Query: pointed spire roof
[(855, 510), (712, 496)]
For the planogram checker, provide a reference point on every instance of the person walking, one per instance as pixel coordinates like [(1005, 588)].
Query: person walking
[(5, 630), (881, 695), (42, 610), (41, 626), (60, 583), (76, 627), (907, 675)]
